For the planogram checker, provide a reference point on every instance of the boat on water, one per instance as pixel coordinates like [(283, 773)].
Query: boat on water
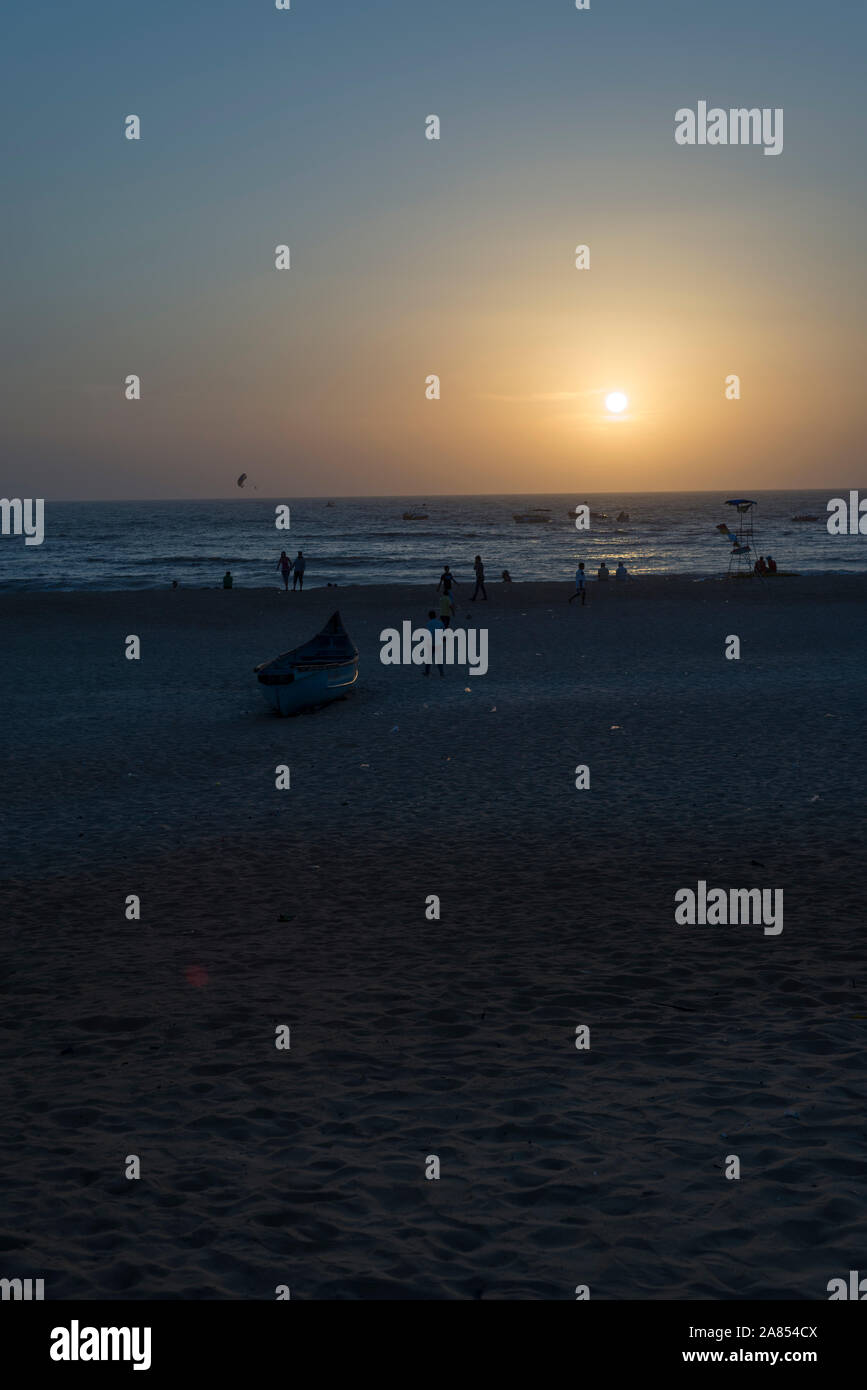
[(622, 516), (535, 514), (805, 518), (323, 669), (415, 516), (595, 516)]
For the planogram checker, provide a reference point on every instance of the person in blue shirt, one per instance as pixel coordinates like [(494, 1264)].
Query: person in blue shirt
[(434, 625)]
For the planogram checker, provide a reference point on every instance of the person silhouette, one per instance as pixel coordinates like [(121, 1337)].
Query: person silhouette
[(480, 578), (580, 584)]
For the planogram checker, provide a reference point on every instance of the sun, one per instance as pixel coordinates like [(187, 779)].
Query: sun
[(616, 402)]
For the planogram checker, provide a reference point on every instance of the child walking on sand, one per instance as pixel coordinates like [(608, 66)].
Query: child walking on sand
[(434, 626)]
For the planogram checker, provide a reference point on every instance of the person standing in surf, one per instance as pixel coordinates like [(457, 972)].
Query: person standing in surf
[(300, 566), (284, 565)]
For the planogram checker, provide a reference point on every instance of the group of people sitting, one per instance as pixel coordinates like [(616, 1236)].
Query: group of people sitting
[(763, 566), (604, 572)]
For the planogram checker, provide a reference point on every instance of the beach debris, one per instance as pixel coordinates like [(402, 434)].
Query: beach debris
[(287, 917), (395, 728), (468, 689), (792, 1115), (616, 726), (493, 709), (815, 798)]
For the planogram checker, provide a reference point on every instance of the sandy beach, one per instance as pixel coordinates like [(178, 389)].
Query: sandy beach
[(412, 1037)]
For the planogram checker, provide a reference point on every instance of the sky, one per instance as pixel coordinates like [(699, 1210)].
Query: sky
[(413, 257)]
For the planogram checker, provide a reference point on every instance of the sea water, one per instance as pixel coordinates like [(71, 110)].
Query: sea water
[(364, 540)]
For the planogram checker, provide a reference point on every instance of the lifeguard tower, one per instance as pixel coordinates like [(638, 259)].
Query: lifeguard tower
[(741, 557)]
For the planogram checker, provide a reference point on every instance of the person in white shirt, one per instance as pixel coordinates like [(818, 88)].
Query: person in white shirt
[(580, 584), (434, 625)]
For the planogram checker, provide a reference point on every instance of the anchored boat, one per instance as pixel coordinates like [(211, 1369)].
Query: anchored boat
[(323, 669)]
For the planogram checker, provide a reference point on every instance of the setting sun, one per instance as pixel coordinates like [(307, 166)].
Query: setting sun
[(616, 402)]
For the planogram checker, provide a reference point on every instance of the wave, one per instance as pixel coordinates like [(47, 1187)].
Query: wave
[(135, 562)]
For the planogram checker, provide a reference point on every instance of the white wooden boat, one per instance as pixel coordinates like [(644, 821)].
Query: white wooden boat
[(323, 669)]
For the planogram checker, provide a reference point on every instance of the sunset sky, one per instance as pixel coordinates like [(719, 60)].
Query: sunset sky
[(412, 257)]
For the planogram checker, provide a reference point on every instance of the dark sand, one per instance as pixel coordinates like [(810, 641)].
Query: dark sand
[(412, 1037)]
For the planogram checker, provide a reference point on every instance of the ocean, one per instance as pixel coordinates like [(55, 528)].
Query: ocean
[(146, 545)]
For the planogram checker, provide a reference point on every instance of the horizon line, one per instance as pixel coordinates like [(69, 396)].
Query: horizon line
[(413, 497)]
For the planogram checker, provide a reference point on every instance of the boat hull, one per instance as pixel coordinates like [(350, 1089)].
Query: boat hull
[(308, 689), (319, 671)]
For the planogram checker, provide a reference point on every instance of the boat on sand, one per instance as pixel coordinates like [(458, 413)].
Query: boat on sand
[(323, 669)]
